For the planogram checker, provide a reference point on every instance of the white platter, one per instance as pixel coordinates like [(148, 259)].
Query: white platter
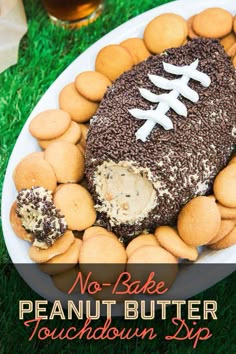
[(18, 249)]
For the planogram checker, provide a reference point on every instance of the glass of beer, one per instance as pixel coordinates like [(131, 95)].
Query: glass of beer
[(73, 13)]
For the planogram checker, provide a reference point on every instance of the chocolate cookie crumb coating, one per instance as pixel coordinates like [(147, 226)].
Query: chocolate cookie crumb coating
[(180, 163)]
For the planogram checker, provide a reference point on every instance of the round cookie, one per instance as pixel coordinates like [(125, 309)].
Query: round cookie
[(103, 249), (227, 213), (63, 261), (84, 131), (231, 52), (228, 41), (60, 246), (226, 226), (141, 241), (98, 252), (64, 281), (212, 197), (33, 155), (80, 109), (113, 60), (213, 22), (224, 186), (151, 254), (72, 135), (76, 204), (198, 221), (36, 154), (170, 240), (137, 49), (191, 33), (16, 225), (92, 85), (34, 172), (95, 231), (67, 161), (155, 259), (227, 241), (81, 149), (165, 31), (234, 24), (49, 124)]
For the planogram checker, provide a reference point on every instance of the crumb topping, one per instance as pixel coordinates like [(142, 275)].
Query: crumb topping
[(39, 216)]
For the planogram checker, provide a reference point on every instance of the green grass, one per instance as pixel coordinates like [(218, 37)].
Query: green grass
[(44, 53)]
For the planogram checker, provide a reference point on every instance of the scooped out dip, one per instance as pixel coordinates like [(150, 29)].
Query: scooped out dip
[(127, 192)]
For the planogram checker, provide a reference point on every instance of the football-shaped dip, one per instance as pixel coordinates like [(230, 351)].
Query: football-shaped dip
[(160, 136)]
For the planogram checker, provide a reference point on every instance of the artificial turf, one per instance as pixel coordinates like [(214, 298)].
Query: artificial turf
[(45, 51)]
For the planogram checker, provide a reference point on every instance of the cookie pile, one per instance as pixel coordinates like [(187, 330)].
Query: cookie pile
[(81, 97), (57, 125), (49, 183), (165, 31), (215, 23), (60, 168), (168, 31), (115, 59), (206, 220)]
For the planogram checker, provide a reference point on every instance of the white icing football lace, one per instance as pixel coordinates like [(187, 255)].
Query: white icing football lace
[(170, 100)]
